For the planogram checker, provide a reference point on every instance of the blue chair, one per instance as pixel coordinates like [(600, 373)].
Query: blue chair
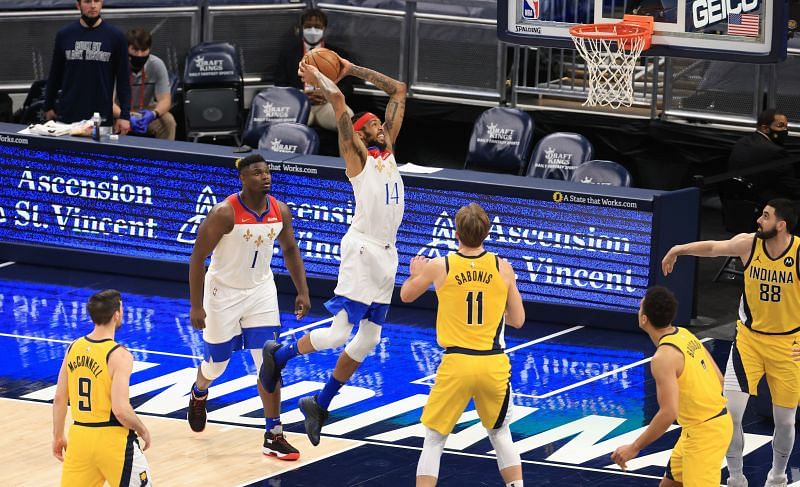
[(607, 173), (294, 138), (500, 141), (558, 154), (213, 91), (277, 104)]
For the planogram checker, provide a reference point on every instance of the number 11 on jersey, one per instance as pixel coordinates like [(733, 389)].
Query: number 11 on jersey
[(392, 194)]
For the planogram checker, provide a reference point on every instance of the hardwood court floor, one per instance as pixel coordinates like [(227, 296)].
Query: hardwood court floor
[(220, 455)]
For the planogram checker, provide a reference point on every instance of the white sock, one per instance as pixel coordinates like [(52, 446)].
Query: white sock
[(514, 483)]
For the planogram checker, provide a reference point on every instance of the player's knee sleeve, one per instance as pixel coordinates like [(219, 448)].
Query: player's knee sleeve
[(737, 403), (212, 370), (431, 453), (367, 337), (503, 443), (257, 358), (333, 336), (783, 438)]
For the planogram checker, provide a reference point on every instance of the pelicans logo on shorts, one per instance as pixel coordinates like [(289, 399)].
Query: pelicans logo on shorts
[(530, 9)]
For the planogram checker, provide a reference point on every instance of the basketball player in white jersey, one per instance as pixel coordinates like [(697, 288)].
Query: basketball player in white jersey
[(236, 302), (368, 253)]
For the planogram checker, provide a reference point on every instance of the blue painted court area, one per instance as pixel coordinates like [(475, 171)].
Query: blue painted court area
[(578, 392)]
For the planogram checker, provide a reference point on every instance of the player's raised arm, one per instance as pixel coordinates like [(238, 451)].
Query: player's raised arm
[(218, 222), (738, 246), (397, 90), (294, 263), (351, 148)]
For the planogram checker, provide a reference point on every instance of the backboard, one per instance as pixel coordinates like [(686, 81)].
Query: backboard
[(753, 31)]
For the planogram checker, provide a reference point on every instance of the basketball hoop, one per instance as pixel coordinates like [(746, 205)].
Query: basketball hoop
[(611, 52)]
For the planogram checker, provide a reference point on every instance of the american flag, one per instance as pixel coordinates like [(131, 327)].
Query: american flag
[(743, 25)]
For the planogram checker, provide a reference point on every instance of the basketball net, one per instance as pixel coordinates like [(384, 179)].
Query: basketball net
[(611, 52)]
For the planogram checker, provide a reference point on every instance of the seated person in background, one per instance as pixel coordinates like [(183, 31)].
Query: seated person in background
[(313, 23), (151, 99), (761, 147)]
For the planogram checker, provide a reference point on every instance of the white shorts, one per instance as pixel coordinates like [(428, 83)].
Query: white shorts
[(238, 319), (367, 270)]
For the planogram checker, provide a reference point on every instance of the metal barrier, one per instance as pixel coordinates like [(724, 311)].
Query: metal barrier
[(562, 73), (673, 88), (260, 32)]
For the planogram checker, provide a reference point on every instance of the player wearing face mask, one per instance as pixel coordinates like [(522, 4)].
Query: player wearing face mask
[(312, 32), (151, 99), (763, 146)]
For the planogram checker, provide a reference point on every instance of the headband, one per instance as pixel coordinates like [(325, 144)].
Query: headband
[(362, 120)]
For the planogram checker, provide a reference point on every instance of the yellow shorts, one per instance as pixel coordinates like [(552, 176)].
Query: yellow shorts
[(696, 459), (755, 354), (99, 454), (461, 377)]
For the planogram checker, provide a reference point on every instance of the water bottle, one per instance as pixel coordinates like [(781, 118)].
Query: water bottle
[(96, 126)]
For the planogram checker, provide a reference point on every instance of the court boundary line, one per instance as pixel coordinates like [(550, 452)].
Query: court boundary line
[(156, 352), (6, 264), (423, 380)]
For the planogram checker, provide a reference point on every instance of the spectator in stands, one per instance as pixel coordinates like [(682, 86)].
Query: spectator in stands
[(763, 146), (90, 57), (313, 23), (151, 99)]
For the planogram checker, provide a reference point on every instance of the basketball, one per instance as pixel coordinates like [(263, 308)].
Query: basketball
[(325, 60)]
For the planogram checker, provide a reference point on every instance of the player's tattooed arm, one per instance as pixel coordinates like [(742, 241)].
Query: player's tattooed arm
[(395, 108), (351, 148)]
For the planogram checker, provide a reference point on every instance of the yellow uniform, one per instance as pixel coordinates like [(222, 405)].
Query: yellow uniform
[(99, 449), (469, 325), (769, 324), (707, 427)]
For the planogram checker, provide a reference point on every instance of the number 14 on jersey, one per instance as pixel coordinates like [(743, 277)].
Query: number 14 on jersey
[(392, 194)]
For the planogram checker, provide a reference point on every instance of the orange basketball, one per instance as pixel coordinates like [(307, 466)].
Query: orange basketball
[(325, 60)]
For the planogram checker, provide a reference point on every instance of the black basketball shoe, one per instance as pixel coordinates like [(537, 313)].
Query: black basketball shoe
[(197, 413), (275, 445), (315, 417)]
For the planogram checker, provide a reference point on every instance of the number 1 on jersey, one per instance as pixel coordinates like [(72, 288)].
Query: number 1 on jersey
[(393, 195), (475, 300)]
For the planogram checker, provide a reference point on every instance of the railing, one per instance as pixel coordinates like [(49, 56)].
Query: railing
[(672, 88)]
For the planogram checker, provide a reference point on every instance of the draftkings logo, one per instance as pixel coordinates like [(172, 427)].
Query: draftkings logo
[(277, 146), (273, 113), (557, 159), (204, 65)]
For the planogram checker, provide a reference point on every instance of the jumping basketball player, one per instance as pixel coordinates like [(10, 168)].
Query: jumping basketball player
[(236, 303), (478, 296), (368, 253), (767, 329), (94, 378)]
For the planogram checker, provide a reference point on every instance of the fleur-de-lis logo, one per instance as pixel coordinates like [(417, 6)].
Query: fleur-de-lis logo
[(259, 241), (247, 235), (379, 165), (272, 234)]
